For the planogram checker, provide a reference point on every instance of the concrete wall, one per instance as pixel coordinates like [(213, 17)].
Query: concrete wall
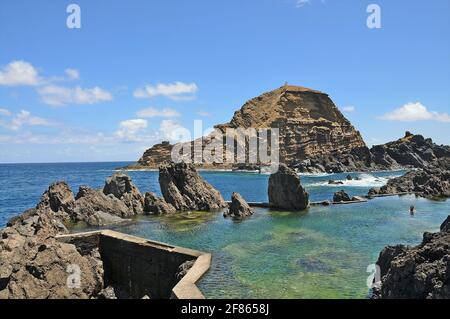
[(140, 267)]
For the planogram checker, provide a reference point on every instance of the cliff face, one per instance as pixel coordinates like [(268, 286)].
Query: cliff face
[(309, 123)]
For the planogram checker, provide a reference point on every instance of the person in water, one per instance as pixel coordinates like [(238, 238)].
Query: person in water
[(412, 210)]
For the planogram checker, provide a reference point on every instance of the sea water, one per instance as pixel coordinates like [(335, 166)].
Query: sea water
[(322, 252)]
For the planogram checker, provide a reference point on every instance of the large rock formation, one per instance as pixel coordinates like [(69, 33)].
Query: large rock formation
[(285, 190), (119, 199), (311, 129), (417, 272), (238, 207), (34, 265), (185, 189), (121, 186)]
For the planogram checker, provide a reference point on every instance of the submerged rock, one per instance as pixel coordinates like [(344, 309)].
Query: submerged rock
[(156, 205), (185, 189), (121, 186), (238, 207), (333, 182), (285, 190), (417, 272)]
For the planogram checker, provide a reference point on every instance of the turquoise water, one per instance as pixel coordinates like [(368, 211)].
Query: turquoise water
[(319, 253)]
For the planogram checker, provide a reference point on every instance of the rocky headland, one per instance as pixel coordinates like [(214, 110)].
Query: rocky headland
[(314, 137)]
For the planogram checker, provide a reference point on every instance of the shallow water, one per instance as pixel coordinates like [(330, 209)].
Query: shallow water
[(319, 253)]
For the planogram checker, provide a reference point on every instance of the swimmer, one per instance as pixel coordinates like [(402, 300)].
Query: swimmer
[(412, 210)]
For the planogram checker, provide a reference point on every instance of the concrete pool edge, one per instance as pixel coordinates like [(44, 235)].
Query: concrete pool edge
[(185, 288)]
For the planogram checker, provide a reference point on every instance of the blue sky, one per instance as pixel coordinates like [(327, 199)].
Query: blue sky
[(136, 70)]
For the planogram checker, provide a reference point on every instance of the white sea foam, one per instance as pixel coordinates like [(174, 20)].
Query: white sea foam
[(364, 180)]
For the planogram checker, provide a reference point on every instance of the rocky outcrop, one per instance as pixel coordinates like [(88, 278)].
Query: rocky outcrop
[(341, 196), (155, 205), (285, 190), (310, 127), (413, 151), (34, 265), (185, 189), (97, 209), (154, 156), (119, 199), (417, 272), (314, 137), (431, 182), (121, 186), (238, 207)]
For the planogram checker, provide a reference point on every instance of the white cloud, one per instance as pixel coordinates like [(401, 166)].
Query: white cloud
[(129, 129), (415, 112), (174, 131), (72, 74), (301, 3), (174, 91), (153, 112), (19, 73), (5, 112), (59, 96), (24, 118), (348, 109)]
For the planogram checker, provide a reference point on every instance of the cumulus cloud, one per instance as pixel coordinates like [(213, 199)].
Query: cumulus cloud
[(129, 129), (348, 109), (153, 112), (19, 73), (411, 112), (72, 74), (174, 91), (173, 131), (59, 96), (24, 118)]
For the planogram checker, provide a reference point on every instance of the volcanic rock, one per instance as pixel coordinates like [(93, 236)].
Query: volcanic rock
[(155, 205), (121, 186), (417, 272), (238, 207), (431, 182), (185, 189), (98, 209), (341, 196), (310, 127), (285, 190)]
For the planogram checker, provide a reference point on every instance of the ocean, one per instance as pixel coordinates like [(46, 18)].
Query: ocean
[(323, 252)]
